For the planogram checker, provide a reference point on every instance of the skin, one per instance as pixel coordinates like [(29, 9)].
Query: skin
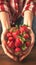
[(4, 17), (28, 21)]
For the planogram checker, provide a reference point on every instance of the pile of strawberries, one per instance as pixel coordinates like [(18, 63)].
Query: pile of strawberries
[(18, 39)]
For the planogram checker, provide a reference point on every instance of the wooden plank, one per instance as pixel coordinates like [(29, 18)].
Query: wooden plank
[(30, 60)]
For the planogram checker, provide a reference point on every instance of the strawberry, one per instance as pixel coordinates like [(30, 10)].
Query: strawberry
[(27, 43), (10, 38), (8, 34), (17, 51), (26, 36), (21, 29), (18, 42), (15, 34), (26, 28), (11, 44)]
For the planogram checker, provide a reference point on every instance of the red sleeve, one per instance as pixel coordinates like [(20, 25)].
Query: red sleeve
[(29, 5), (4, 6)]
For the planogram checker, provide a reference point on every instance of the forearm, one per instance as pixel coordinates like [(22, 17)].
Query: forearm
[(4, 18), (28, 18)]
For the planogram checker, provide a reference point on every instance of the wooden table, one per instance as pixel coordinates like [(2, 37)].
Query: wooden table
[(30, 60)]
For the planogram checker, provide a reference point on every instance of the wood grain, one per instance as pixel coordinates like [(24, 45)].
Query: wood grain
[(30, 60)]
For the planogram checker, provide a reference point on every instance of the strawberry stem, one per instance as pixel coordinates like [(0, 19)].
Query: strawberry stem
[(16, 26), (9, 28), (22, 39), (23, 47)]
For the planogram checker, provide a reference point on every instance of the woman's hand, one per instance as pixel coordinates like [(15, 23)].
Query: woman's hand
[(28, 18), (5, 21), (32, 44), (4, 48)]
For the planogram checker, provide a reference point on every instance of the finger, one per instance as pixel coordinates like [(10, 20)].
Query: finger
[(28, 52), (32, 36), (5, 50), (30, 48), (8, 54)]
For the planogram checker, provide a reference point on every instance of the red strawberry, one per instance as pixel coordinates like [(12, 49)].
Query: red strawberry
[(15, 34), (17, 50), (10, 38), (18, 42), (11, 44), (28, 44), (21, 29), (26, 29), (26, 36), (8, 34)]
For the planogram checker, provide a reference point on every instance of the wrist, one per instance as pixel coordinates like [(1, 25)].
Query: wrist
[(28, 23), (28, 18)]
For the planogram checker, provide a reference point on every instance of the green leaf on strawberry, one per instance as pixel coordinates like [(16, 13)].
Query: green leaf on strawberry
[(22, 39), (23, 47), (16, 26)]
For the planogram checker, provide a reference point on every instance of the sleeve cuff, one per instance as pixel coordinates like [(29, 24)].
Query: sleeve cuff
[(4, 7)]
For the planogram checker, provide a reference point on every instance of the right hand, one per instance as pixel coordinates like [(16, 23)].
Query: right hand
[(31, 46), (4, 48)]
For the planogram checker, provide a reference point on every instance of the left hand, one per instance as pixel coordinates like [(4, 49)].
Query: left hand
[(30, 48)]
